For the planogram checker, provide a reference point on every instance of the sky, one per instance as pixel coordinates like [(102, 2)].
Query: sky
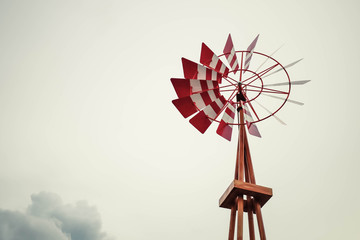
[(91, 146)]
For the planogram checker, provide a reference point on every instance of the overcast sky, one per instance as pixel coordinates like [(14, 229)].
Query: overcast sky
[(88, 130)]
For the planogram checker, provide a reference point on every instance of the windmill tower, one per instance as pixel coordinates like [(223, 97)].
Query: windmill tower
[(211, 89)]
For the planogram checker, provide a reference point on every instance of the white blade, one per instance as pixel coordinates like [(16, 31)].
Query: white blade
[(268, 58), (252, 128), (287, 66), (300, 82), (249, 54), (288, 100), (276, 117), (230, 54)]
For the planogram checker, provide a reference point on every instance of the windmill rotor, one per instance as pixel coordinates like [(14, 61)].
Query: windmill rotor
[(209, 90)]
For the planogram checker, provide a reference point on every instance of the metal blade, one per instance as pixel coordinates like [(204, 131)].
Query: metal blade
[(209, 59), (230, 54), (268, 58), (193, 70), (300, 82), (186, 87), (276, 117), (287, 66), (249, 54), (252, 128), (185, 106), (281, 98), (225, 129), (193, 103), (204, 118)]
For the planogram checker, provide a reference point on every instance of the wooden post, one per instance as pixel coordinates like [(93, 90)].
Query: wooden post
[(242, 135), (249, 202), (260, 220), (237, 162), (232, 222), (249, 162), (252, 179), (250, 218), (240, 206)]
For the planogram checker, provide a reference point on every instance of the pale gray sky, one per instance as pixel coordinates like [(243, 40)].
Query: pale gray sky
[(86, 114)]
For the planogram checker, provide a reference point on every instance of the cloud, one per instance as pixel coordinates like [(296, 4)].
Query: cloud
[(47, 218)]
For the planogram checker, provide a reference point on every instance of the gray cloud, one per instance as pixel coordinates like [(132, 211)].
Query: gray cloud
[(48, 218)]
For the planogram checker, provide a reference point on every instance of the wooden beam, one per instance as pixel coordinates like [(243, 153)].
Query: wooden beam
[(250, 219), (240, 206), (249, 161), (232, 223), (249, 204), (260, 221), (238, 188)]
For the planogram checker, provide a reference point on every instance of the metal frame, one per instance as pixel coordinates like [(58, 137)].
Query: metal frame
[(263, 89)]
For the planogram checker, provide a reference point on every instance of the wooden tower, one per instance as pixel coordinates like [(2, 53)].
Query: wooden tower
[(212, 92), (243, 195)]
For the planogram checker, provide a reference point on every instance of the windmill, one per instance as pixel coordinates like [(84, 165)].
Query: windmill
[(235, 94)]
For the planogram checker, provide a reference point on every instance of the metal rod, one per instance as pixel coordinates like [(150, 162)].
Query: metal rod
[(241, 66), (260, 74)]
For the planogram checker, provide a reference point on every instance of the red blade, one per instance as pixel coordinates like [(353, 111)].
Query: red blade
[(193, 70), (230, 54), (187, 87), (203, 119), (209, 59), (191, 104), (225, 129), (185, 106), (252, 128), (249, 54)]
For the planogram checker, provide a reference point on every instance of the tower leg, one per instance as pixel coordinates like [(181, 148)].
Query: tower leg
[(240, 207), (250, 218), (249, 199), (260, 220), (232, 223)]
